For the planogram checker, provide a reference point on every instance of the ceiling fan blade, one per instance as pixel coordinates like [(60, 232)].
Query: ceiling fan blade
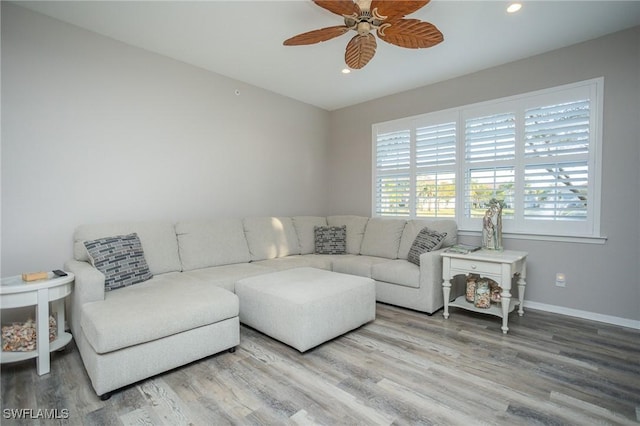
[(316, 36), (339, 7), (410, 33), (360, 51), (397, 9)]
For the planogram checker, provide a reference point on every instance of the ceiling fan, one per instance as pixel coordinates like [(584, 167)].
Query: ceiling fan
[(386, 17)]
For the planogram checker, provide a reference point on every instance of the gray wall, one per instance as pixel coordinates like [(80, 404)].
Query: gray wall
[(94, 130), (602, 279)]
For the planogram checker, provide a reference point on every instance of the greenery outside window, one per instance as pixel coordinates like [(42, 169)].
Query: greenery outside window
[(539, 152)]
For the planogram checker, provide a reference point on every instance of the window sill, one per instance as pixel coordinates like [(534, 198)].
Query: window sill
[(539, 237)]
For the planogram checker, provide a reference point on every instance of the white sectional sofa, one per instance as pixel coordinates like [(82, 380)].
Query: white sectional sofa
[(188, 310)]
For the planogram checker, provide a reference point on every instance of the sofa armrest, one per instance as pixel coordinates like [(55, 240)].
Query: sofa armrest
[(88, 287), (431, 274), (431, 269), (89, 282)]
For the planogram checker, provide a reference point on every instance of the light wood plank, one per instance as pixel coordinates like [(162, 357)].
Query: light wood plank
[(405, 368)]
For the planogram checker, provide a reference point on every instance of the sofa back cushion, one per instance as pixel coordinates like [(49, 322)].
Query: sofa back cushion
[(270, 237), (414, 226), (158, 240), (382, 237), (215, 242), (355, 230), (304, 226)]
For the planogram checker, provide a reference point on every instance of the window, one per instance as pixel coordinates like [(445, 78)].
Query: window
[(435, 170), (393, 172), (539, 152)]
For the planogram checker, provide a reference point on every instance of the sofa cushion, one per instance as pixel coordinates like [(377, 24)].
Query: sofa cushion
[(398, 272), (212, 243), (382, 237), (165, 305), (290, 262), (355, 230), (304, 226), (330, 239), (225, 276), (356, 265), (426, 240), (120, 258), (270, 237), (413, 227), (158, 241)]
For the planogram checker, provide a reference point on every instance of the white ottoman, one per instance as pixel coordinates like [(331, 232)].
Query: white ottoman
[(304, 307)]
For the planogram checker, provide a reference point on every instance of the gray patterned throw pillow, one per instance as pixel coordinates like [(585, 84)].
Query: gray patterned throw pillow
[(120, 259), (426, 240), (330, 239)]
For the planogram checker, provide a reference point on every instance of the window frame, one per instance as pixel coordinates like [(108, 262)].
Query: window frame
[(578, 230)]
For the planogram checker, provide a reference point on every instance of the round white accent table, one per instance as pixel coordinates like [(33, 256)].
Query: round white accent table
[(15, 293)]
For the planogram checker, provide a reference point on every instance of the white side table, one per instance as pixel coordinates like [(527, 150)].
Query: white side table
[(500, 266), (15, 293)]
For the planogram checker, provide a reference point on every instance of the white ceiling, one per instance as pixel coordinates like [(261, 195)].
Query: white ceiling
[(243, 40)]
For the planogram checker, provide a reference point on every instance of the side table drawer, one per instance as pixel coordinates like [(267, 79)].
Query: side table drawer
[(476, 267)]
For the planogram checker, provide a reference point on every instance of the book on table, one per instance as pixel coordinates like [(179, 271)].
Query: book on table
[(463, 248)]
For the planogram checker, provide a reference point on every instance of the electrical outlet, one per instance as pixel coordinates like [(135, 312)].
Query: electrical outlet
[(561, 280)]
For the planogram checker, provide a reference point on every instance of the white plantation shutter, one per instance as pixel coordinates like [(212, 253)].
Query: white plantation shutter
[(435, 194), (490, 138), (435, 170), (556, 150), (556, 191), (436, 145), (539, 152), (393, 195), (555, 130), (392, 185), (490, 154), (393, 151), (481, 185)]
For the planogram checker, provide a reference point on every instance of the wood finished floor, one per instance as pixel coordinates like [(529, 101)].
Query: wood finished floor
[(405, 368)]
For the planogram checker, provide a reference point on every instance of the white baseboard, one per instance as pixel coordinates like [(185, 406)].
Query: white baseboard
[(624, 322)]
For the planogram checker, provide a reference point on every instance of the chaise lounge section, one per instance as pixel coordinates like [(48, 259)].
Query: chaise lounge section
[(189, 309)]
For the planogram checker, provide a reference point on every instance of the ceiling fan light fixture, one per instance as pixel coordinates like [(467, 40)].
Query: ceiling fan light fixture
[(514, 7), (345, 71)]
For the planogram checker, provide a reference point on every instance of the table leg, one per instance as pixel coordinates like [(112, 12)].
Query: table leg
[(505, 296), (446, 292), (522, 283), (42, 332), (505, 301), (58, 306)]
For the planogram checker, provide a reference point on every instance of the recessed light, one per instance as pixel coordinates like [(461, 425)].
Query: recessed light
[(346, 71), (514, 7)]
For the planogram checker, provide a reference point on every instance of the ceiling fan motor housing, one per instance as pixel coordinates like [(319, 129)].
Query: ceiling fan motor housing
[(363, 23), (364, 28)]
